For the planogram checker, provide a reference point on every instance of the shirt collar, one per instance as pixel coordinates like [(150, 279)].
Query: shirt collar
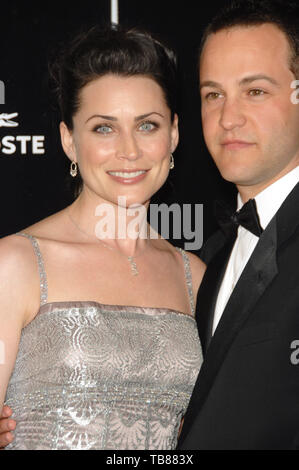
[(270, 199)]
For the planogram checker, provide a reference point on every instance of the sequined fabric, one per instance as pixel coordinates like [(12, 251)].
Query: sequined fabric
[(94, 376)]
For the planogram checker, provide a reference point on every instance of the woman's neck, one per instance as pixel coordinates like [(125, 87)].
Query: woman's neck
[(120, 227)]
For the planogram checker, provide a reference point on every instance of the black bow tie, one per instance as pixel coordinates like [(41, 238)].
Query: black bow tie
[(247, 216)]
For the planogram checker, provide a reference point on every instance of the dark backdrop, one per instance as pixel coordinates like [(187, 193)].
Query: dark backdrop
[(35, 185)]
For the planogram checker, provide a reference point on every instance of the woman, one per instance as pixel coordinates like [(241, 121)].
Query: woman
[(101, 346)]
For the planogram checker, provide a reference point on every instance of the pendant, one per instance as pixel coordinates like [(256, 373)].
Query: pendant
[(133, 266)]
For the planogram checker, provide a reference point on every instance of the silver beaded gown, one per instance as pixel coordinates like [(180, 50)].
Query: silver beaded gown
[(95, 376)]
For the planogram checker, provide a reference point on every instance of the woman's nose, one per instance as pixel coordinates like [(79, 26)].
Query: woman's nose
[(128, 148)]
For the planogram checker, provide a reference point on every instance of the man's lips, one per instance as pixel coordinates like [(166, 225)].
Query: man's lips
[(235, 144), (127, 176)]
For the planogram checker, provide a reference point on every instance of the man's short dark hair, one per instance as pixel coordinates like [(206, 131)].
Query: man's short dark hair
[(282, 13)]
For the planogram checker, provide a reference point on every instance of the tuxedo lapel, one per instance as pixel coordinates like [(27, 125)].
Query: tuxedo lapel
[(207, 295), (256, 277)]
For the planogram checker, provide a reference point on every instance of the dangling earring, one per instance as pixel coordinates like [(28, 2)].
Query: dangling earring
[(171, 165), (73, 169)]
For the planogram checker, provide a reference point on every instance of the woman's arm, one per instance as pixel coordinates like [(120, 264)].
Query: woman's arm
[(14, 289)]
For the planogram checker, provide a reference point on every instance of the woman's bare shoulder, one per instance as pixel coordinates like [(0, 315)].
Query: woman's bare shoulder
[(14, 251), (51, 227), (198, 268), (19, 283), (196, 263)]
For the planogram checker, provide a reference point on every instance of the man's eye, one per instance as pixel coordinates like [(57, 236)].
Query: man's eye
[(147, 126), (212, 96), (103, 129), (256, 92)]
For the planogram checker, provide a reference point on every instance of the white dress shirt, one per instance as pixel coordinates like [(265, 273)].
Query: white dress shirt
[(268, 202)]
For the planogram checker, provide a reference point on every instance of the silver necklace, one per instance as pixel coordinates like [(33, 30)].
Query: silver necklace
[(131, 259)]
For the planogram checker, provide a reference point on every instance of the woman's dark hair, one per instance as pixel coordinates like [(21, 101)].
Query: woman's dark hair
[(110, 50), (282, 13)]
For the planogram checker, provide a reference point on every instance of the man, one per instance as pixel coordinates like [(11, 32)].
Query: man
[(247, 392)]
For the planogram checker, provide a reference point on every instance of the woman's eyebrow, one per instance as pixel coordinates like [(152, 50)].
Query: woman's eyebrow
[(143, 116), (113, 118), (103, 116)]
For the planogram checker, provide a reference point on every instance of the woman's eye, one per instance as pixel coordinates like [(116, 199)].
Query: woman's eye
[(103, 129), (147, 126)]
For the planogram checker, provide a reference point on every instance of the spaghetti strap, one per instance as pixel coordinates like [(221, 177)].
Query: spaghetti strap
[(41, 267), (188, 277)]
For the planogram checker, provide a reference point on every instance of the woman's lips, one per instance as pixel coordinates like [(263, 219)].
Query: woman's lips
[(128, 176)]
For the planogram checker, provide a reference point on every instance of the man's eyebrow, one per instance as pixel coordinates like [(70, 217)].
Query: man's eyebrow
[(244, 81), (209, 83), (259, 76), (112, 118)]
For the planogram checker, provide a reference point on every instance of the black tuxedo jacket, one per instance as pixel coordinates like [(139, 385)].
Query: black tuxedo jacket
[(247, 392)]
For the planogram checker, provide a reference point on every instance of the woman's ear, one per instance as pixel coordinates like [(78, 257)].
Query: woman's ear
[(175, 133), (67, 142)]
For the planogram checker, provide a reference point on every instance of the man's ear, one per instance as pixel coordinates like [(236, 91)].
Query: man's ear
[(175, 133), (67, 142)]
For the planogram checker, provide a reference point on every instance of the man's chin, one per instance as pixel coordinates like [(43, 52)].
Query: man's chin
[(234, 177)]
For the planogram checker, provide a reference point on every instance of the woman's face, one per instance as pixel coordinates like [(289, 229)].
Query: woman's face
[(122, 138)]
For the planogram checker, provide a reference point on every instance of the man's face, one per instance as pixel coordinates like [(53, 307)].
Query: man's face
[(250, 125)]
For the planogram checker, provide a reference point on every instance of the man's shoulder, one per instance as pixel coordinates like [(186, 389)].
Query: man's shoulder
[(211, 247)]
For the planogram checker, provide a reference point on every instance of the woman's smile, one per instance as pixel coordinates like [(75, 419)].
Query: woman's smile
[(128, 176)]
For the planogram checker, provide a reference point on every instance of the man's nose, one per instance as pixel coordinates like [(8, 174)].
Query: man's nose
[(128, 147), (232, 114)]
